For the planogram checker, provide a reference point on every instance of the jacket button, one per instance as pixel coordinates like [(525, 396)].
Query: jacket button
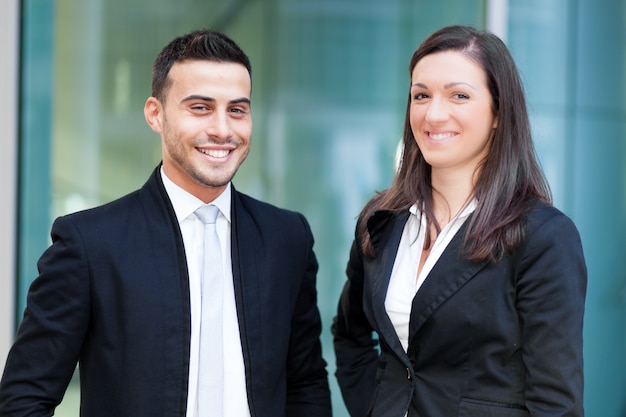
[(408, 374)]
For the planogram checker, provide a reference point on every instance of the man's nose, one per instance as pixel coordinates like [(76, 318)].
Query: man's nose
[(220, 126)]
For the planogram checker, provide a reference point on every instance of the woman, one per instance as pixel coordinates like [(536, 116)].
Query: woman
[(473, 283)]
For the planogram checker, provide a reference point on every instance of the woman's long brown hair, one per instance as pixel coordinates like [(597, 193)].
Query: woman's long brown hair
[(510, 179)]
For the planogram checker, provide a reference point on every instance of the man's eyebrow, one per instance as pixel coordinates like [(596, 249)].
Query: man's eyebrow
[(244, 100), (200, 97)]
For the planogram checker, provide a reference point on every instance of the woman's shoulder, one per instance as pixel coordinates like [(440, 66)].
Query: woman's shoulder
[(545, 219), (542, 211)]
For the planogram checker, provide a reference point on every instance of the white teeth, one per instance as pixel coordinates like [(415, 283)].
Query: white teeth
[(440, 136), (215, 153)]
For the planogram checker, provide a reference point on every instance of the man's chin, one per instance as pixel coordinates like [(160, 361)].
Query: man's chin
[(215, 181)]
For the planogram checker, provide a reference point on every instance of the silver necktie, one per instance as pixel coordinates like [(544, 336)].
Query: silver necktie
[(211, 363)]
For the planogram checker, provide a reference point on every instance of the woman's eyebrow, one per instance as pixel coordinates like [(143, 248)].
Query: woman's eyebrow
[(446, 86)]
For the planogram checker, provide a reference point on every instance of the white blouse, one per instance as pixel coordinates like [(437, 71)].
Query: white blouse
[(405, 282)]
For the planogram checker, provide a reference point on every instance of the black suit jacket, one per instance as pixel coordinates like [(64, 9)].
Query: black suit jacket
[(485, 339), (113, 294)]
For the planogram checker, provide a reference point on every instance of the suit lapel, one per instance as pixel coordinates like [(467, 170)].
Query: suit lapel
[(168, 275), (448, 275), (385, 229), (244, 240)]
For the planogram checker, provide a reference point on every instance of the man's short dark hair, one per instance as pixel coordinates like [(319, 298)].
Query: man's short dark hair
[(207, 45)]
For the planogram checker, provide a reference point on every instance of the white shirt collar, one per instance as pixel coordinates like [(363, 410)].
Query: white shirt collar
[(185, 203), (418, 221)]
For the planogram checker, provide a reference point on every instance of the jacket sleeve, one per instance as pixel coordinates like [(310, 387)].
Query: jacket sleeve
[(308, 394), (47, 347), (551, 288), (355, 347)]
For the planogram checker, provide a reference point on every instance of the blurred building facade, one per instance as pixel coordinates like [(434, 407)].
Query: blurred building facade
[(330, 79)]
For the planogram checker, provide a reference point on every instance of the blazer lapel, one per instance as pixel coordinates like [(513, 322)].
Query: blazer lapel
[(168, 275), (244, 240), (385, 229), (448, 275)]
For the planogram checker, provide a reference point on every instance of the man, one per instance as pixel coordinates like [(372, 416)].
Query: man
[(120, 289)]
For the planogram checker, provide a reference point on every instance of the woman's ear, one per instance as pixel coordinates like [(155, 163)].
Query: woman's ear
[(153, 111)]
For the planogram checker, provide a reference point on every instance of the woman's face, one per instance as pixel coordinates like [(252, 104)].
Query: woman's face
[(450, 111)]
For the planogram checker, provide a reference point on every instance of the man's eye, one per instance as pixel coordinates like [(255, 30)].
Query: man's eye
[(238, 111)]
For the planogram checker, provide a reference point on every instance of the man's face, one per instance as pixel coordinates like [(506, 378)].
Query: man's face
[(205, 124)]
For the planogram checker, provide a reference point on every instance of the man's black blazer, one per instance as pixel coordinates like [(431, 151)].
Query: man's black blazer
[(113, 294)]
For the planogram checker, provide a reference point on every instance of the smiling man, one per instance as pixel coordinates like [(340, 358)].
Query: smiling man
[(123, 289)]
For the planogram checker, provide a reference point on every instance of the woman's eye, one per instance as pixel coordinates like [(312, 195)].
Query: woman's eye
[(419, 96), (461, 96)]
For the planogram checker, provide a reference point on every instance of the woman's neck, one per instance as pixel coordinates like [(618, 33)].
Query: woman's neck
[(452, 191)]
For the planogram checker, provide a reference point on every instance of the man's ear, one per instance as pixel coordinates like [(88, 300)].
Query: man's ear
[(153, 112)]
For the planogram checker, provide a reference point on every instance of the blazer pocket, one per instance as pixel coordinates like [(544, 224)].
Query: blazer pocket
[(479, 408)]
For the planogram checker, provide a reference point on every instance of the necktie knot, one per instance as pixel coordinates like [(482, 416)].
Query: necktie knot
[(207, 213)]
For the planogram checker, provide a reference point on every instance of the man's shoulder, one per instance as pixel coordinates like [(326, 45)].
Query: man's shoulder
[(144, 198), (119, 205), (265, 213), (256, 205)]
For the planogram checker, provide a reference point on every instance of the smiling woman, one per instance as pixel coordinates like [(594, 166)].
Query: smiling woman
[(468, 217)]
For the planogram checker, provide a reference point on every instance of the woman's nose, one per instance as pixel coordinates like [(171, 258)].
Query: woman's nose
[(437, 111)]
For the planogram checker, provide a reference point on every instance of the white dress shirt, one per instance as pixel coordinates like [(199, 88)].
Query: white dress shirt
[(405, 282), (185, 204)]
